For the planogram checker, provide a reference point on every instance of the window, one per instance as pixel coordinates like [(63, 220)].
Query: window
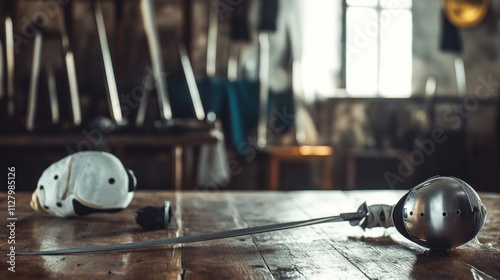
[(378, 48)]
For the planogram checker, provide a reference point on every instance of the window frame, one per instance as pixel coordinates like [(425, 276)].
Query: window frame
[(343, 71)]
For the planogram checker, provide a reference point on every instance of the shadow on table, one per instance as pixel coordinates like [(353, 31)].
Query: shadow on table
[(471, 261)]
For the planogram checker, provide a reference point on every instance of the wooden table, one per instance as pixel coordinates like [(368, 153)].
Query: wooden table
[(328, 251)]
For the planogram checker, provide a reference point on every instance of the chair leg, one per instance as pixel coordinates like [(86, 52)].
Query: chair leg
[(274, 173), (327, 173), (177, 154)]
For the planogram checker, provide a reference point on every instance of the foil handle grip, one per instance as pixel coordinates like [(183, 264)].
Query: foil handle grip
[(379, 215)]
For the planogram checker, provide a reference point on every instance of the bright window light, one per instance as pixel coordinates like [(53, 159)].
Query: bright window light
[(396, 55), (362, 51), (378, 48)]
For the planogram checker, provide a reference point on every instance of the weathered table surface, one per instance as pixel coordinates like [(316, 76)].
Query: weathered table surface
[(328, 251)]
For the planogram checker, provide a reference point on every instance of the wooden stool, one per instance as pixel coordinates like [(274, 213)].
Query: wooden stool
[(299, 153)]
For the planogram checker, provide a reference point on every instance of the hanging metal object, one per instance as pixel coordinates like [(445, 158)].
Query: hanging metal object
[(466, 13)]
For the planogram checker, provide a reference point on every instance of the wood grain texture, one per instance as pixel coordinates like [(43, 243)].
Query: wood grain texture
[(232, 258), (295, 253), (328, 251)]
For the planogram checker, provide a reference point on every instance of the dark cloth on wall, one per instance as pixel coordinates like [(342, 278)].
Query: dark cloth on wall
[(450, 40)]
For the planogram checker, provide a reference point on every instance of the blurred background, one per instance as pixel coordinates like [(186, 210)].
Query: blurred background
[(255, 95)]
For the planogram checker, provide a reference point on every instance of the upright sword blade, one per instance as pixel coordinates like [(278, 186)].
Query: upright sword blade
[(1, 71), (33, 88), (69, 61), (112, 88), (155, 53), (355, 218), (191, 81), (52, 89), (9, 57)]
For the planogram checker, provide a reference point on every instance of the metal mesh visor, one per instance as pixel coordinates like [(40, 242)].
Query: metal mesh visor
[(441, 213), (397, 216), (478, 208)]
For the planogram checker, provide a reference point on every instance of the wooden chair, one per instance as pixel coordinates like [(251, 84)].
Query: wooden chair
[(278, 154)]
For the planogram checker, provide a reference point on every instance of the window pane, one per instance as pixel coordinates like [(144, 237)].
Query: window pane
[(361, 51), (395, 53), (396, 4), (366, 3)]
